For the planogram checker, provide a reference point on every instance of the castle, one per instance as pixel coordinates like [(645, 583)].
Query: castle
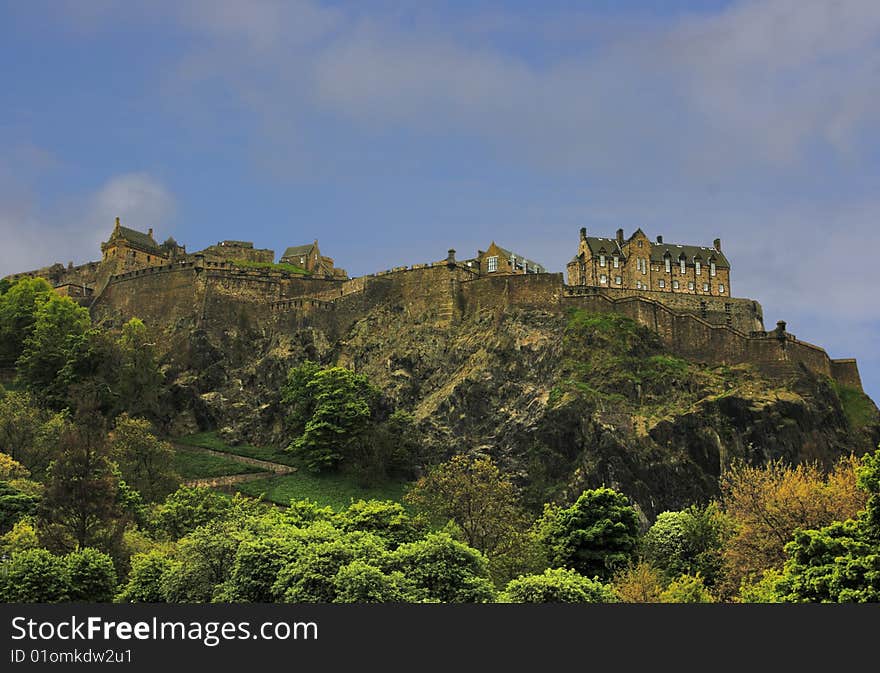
[(681, 292)]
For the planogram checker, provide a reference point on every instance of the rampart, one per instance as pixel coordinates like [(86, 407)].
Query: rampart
[(216, 295)]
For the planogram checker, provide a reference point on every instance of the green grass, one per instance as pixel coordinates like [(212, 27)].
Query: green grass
[(334, 490), (856, 405), (210, 440), (192, 464), (270, 266)]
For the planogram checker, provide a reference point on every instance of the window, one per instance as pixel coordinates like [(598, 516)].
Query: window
[(705, 287), (640, 244), (675, 285), (601, 260), (662, 283), (616, 262), (638, 285), (603, 279), (711, 268), (668, 261), (690, 285), (493, 264), (698, 266), (682, 265), (302, 260), (721, 288), (644, 266), (618, 280)]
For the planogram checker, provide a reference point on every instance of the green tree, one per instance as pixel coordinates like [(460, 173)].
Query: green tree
[(27, 433), (34, 576), (188, 508), (765, 590), (597, 535), (687, 589), (556, 585), (91, 575), (639, 582), (442, 569), (22, 536), (839, 563), (145, 579), (85, 503), (18, 309), (256, 567), (341, 403), (688, 542), (145, 461), (389, 520), (139, 378), (360, 582)]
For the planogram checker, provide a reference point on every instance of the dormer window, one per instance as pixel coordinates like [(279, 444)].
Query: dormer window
[(697, 266), (682, 262), (712, 268), (601, 260), (616, 262), (668, 261)]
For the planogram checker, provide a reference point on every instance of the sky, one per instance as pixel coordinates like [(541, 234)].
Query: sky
[(392, 130)]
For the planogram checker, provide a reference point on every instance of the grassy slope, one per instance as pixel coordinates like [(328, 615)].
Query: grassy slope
[(192, 464), (210, 440)]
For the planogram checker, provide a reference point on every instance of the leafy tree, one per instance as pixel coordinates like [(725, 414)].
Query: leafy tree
[(688, 542), (145, 461), (389, 520), (595, 536), (27, 433), (15, 504), (556, 585), (189, 508), (256, 567), (22, 536), (34, 576), (18, 309), (145, 579), (360, 582), (391, 450), (139, 378), (5, 284), (85, 502), (442, 569), (298, 398), (341, 403), (764, 590), (768, 504), (639, 583), (687, 589), (60, 324), (839, 563), (91, 575)]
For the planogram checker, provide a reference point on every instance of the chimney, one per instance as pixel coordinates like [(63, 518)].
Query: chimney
[(150, 232), (717, 244), (117, 223), (450, 257), (660, 240), (583, 233), (620, 236)]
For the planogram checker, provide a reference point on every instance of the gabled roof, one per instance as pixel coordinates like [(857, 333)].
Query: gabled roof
[(298, 250), (659, 250), (609, 245), (508, 254), (136, 239)]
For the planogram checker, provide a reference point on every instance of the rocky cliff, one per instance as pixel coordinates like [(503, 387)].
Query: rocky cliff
[(562, 401)]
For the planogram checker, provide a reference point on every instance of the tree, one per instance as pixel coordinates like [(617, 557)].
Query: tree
[(139, 378), (688, 542), (556, 585), (18, 309), (442, 569), (687, 589), (145, 579), (839, 563), (639, 583), (27, 433), (145, 461), (188, 508), (60, 325), (256, 567), (768, 504), (22, 536), (595, 536), (85, 502), (91, 575), (360, 582), (389, 520), (34, 576), (341, 404)]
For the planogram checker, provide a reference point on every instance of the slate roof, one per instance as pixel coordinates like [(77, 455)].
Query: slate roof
[(137, 239), (508, 254), (298, 250), (658, 251), (610, 246)]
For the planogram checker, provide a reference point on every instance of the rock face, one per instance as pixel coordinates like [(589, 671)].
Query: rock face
[(563, 402)]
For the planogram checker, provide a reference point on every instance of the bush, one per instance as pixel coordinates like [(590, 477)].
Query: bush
[(92, 576), (34, 576), (556, 585)]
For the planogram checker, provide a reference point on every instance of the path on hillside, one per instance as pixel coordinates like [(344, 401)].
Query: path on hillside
[(271, 469)]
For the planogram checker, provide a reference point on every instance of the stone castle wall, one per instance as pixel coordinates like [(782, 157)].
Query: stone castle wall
[(217, 295)]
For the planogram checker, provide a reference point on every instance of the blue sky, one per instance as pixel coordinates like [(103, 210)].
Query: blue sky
[(393, 130)]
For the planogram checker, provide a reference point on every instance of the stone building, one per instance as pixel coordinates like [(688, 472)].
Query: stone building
[(128, 250), (309, 257), (239, 251), (636, 263), (497, 260)]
